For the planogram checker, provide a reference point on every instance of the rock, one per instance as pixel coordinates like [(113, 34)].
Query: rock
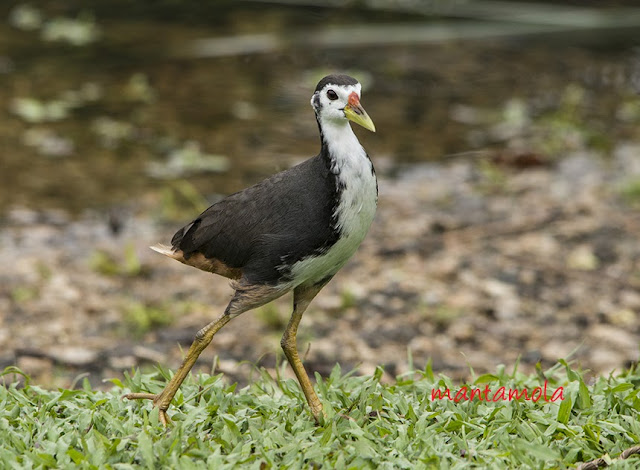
[(626, 158), (630, 299), (148, 354), (614, 339), (76, 356), (60, 287), (40, 369), (461, 332), (505, 299), (331, 302), (604, 358), (557, 349), (582, 258), (122, 362), (623, 317), (456, 273)]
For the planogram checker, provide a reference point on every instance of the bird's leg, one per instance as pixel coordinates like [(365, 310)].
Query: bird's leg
[(245, 298), (302, 296), (163, 399)]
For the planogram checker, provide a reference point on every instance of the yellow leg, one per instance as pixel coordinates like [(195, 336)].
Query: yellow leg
[(302, 297), (202, 340), (246, 297)]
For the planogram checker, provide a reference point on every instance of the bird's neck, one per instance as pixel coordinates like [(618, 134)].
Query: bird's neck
[(355, 179), (340, 145)]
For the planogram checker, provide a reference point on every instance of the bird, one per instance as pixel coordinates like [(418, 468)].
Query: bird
[(290, 232)]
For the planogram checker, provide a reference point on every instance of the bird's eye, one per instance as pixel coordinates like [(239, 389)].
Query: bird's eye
[(332, 95)]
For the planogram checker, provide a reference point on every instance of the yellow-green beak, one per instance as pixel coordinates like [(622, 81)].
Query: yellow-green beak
[(356, 113)]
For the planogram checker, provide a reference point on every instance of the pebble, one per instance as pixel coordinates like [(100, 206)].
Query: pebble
[(615, 339), (40, 369), (458, 274), (582, 258), (624, 317), (123, 362), (148, 354), (76, 356), (605, 359)]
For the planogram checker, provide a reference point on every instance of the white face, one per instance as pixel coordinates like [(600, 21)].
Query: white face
[(329, 103)]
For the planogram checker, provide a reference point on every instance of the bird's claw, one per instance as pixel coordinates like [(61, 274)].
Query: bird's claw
[(156, 398)]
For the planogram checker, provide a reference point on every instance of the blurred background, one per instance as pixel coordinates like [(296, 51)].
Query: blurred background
[(508, 154)]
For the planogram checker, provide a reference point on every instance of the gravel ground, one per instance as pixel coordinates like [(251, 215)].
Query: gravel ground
[(463, 266)]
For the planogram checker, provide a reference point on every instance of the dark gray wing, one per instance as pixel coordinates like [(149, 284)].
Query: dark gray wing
[(272, 224)]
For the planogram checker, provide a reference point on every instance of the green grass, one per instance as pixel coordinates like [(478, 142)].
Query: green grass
[(369, 424)]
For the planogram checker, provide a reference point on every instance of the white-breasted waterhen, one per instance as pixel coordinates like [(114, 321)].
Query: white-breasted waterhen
[(292, 231)]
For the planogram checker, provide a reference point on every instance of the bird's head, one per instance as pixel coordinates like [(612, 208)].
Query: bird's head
[(337, 99)]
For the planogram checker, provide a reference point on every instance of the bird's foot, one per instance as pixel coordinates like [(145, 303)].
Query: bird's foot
[(158, 402)]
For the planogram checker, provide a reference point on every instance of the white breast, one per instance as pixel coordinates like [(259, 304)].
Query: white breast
[(354, 212)]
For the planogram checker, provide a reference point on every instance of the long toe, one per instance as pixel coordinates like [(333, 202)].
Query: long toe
[(164, 418), (162, 409), (140, 396)]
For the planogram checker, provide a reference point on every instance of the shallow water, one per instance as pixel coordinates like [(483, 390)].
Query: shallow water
[(82, 125)]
